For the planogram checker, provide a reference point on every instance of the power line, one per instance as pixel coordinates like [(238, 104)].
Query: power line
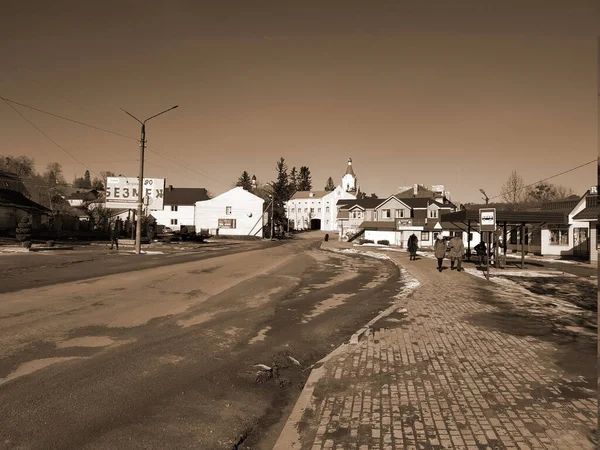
[(48, 137), (8, 101), (183, 164), (545, 179)]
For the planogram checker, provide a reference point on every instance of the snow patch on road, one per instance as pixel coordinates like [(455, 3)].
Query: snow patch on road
[(330, 303), (35, 365), (409, 284), (261, 336), (87, 341)]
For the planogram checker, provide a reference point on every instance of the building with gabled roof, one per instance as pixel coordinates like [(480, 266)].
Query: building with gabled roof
[(317, 210), (14, 205), (179, 206)]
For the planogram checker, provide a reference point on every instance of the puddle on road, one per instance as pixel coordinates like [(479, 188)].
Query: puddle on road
[(33, 366), (261, 336), (321, 307)]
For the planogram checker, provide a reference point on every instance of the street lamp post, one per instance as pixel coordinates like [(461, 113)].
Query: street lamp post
[(487, 199), (138, 231)]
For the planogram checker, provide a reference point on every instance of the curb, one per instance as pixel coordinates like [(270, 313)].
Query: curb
[(289, 438)]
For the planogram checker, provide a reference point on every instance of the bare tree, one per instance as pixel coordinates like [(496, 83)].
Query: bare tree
[(513, 190)]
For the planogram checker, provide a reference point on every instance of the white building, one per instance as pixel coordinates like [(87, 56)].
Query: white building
[(236, 212), (179, 207), (317, 210)]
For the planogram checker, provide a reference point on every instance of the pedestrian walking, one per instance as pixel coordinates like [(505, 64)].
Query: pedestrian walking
[(115, 231), (413, 246), (456, 250), (439, 249)]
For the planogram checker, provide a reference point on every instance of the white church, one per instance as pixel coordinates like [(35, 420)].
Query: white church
[(317, 210)]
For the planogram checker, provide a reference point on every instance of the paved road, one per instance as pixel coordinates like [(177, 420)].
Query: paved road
[(27, 270), (165, 357)]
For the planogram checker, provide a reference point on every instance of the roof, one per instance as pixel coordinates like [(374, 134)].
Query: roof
[(9, 180), (367, 203), (561, 205), (83, 194), (306, 194), (184, 196), (422, 192), (589, 214), (512, 217), (378, 225), (415, 202), (14, 199), (349, 170)]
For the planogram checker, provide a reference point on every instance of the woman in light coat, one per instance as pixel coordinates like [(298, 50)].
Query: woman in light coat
[(439, 249), (456, 251)]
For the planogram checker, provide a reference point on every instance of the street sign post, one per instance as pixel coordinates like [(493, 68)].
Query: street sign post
[(487, 219), (122, 193)]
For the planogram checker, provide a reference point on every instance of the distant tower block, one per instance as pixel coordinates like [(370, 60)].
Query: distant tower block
[(349, 179)]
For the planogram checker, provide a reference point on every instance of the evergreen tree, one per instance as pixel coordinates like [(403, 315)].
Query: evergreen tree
[(304, 179), (245, 181), (329, 186), (293, 179), (280, 189)]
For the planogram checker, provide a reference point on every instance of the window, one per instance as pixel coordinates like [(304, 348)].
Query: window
[(293, 210), (312, 210), (559, 236), (433, 213), (318, 210), (327, 208), (386, 213), (305, 210), (513, 236), (173, 207), (399, 213), (228, 210), (173, 221), (424, 235)]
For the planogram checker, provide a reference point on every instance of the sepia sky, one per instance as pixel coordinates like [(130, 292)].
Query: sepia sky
[(429, 92)]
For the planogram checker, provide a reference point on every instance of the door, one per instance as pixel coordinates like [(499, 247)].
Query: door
[(581, 243)]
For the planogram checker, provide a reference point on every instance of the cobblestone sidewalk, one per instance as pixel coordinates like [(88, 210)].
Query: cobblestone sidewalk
[(460, 369)]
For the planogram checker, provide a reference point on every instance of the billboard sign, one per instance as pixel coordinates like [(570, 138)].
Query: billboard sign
[(226, 223), (487, 219), (122, 193)]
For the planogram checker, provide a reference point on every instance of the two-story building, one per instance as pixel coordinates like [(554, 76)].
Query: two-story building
[(394, 219), (236, 212), (317, 210), (179, 206)]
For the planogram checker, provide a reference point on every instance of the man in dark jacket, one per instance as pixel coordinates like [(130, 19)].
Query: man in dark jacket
[(115, 231), (413, 246)]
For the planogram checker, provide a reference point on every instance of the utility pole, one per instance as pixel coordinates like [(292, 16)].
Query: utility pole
[(272, 214), (138, 227)]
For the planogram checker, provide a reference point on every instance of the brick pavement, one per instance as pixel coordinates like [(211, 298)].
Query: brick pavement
[(443, 375)]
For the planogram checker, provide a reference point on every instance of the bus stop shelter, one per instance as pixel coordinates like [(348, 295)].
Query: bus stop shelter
[(506, 221)]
